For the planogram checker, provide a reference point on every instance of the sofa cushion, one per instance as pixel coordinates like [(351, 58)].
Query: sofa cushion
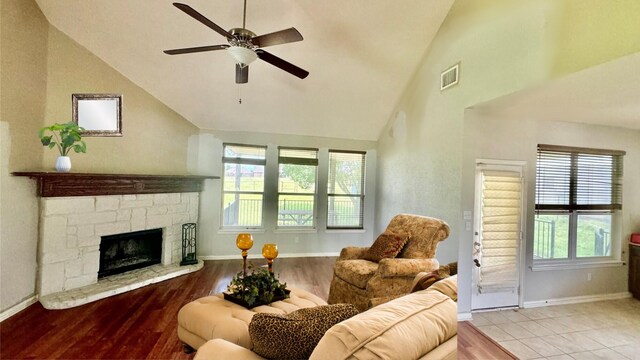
[(295, 335), (428, 317), (387, 246), (355, 272)]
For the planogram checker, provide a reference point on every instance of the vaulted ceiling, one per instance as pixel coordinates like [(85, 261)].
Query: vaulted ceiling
[(360, 55)]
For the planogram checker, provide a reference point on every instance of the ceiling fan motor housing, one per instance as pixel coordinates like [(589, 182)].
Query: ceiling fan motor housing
[(242, 38)]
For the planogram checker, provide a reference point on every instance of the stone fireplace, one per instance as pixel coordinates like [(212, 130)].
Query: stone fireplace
[(72, 228), (82, 212)]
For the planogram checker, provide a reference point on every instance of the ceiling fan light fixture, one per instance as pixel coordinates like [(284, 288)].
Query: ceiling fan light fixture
[(242, 55)]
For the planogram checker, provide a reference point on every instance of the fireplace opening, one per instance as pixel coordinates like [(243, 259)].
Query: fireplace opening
[(134, 250)]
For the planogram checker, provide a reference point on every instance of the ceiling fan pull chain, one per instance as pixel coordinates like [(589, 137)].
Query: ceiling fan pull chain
[(239, 96)]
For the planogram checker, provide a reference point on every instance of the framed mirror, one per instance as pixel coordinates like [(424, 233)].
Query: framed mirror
[(98, 114)]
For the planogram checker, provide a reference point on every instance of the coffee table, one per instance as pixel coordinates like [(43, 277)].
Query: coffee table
[(212, 317)]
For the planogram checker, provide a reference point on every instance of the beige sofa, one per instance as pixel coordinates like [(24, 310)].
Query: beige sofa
[(422, 325)]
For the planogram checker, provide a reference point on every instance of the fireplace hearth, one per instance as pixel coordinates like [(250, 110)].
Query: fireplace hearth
[(129, 251)]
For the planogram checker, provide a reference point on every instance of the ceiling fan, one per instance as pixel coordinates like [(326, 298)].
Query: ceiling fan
[(245, 46)]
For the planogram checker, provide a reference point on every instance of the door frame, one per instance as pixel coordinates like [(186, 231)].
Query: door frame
[(508, 165)]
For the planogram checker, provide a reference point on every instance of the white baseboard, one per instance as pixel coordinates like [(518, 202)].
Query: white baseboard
[(465, 316), (576, 299), (258, 256), (18, 307)]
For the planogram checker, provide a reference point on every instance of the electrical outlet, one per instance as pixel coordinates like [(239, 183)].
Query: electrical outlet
[(467, 225), (588, 276)]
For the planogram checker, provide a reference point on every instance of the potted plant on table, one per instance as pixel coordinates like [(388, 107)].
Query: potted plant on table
[(65, 137), (260, 287)]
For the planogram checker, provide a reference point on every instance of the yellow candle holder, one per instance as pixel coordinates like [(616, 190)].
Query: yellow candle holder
[(244, 242), (270, 252)]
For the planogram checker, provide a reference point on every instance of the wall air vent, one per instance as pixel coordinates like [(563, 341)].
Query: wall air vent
[(449, 77)]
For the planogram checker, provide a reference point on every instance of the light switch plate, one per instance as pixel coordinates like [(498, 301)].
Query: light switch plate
[(467, 215)]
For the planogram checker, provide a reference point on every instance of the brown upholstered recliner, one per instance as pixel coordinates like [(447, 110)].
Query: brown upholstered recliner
[(365, 283)]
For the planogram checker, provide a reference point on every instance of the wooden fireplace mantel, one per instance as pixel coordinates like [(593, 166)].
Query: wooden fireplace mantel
[(54, 184)]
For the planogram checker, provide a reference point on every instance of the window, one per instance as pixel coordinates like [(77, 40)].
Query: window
[(298, 172), (345, 190), (243, 185), (578, 191)]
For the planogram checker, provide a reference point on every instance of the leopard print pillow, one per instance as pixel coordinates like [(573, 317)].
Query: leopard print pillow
[(295, 335), (387, 245)]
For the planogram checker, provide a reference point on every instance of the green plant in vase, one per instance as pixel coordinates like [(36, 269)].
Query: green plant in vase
[(259, 287), (65, 137)]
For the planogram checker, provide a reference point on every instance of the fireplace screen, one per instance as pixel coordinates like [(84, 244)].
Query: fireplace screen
[(134, 250)]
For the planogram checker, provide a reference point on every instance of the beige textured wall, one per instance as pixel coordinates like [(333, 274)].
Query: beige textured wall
[(24, 72), (41, 67), (594, 31), (499, 46), (154, 137), (503, 46)]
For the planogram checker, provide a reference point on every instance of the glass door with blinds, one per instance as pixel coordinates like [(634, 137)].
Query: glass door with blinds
[(497, 235)]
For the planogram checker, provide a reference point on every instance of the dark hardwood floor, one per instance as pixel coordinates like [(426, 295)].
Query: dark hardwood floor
[(142, 324), (474, 345), (139, 324)]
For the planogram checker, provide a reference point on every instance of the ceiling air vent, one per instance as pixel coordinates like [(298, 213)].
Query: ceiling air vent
[(449, 77)]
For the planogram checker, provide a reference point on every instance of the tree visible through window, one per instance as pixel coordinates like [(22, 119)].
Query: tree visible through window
[(345, 190), (243, 189), (297, 187), (578, 191)]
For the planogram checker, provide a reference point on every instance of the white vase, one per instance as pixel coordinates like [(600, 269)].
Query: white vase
[(63, 164)]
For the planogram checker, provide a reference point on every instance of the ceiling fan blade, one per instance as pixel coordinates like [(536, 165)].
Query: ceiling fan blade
[(242, 74), (195, 49), (196, 15), (276, 38), (282, 64)]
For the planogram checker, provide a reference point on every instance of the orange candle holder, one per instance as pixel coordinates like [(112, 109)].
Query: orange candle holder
[(244, 242), (270, 252)]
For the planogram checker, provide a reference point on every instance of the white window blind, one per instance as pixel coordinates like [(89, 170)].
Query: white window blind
[(500, 231)]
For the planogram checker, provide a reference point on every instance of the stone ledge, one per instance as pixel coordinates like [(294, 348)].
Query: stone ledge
[(116, 284)]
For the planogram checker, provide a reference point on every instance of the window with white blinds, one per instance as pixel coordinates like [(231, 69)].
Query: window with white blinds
[(298, 173), (345, 189), (243, 185), (578, 191), (578, 179), (501, 209)]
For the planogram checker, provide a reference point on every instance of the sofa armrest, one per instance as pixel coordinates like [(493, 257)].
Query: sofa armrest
[(352, 253), (448, 286), (406, 267), (223, 349)]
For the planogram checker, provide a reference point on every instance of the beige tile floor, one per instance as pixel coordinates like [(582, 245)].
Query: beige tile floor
[(596, 330)]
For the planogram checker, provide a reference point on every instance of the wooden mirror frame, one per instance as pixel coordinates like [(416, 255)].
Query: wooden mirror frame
[(75, 98)]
